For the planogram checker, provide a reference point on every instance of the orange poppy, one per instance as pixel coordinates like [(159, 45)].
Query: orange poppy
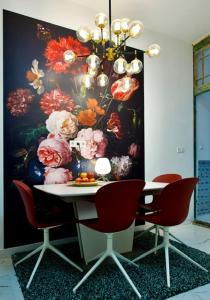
[(100, 110), (92, 103), (87, 117)]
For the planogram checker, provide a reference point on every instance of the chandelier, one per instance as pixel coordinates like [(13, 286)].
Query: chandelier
[(109, 45)]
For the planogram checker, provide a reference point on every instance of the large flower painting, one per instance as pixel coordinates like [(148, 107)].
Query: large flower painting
[(46, 107)]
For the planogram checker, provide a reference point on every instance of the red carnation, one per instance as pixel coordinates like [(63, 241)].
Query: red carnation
[(114, 125), (54, 54), (56, 101), (18, 101)]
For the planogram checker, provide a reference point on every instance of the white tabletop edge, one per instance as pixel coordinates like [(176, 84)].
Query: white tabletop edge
[(64, 190)]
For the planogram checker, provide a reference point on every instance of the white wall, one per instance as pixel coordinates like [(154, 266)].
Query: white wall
[(168, 90)]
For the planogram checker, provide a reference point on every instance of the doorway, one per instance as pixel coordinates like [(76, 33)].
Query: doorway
[(202, 130)]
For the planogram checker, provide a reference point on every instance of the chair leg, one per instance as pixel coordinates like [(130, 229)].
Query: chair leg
[(125, 275), (123, 258), (96, 257), (148, 252), (187, 257), (36, 266), (156, 236), (146, 230), (167, 245), (59, 253), (29, 255), (167, 266), (90, 272), (166, 250)]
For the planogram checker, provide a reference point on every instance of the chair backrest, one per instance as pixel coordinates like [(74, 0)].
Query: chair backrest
[(116, 204), (174, 201), (167, 178), (28, 201)]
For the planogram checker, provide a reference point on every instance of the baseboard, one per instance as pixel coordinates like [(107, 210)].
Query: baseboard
[(201, 223), (10, 251)]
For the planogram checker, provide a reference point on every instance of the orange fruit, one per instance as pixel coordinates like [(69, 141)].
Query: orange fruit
[(92, 179), (84, 179), (90, 175), (83, 174)]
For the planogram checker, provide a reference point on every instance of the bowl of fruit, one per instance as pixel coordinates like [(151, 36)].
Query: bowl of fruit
[(85, 179)]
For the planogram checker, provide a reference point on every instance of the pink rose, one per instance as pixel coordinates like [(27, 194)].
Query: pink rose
[(54, 151), (133, 150), (54, 176), (122, 91), (96, 143)]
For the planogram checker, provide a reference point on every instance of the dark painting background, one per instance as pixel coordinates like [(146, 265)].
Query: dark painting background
[(23, 134)]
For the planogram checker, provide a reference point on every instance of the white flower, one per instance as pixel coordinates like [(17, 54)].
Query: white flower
[(63, 123), (35, 76), (121, 165)]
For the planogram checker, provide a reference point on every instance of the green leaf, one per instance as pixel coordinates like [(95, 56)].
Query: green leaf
[(31, 135)]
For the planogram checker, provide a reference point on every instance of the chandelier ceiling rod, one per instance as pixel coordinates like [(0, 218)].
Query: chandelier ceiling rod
[(110, 20)]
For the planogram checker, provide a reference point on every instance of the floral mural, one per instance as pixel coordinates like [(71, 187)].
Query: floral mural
[(47, 107)]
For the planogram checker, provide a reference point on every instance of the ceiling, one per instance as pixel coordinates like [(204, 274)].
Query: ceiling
[(188, 20)]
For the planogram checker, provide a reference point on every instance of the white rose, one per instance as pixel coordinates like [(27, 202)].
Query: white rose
[(63, 123)]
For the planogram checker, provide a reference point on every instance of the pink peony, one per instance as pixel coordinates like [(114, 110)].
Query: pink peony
[(96, 143), (54, 151), (63, 123), (59, 175), (133, 150)]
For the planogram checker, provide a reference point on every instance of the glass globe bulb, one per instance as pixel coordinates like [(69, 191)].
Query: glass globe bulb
[(69, 56), (129, 69), (125, 25), (96, 35), (87, 81), (102, 80), (101, 20), (127, 83), (105, 36), (153, 50), (136, 28), (92, 72), (83, 34), (116, 26), (120, 65), (117, 39), (93, 61), (136, 65)]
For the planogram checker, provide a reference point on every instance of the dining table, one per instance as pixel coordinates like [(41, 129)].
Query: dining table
[(91, 242)]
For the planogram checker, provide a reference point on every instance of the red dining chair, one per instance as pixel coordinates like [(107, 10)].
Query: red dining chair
[(151, 207), (172, 209), (116, 205), (30, 208)]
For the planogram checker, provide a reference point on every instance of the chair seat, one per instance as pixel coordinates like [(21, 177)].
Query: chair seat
[(54, 217)]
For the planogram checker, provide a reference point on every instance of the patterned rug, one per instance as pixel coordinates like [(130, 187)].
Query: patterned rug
[(55, 279)]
